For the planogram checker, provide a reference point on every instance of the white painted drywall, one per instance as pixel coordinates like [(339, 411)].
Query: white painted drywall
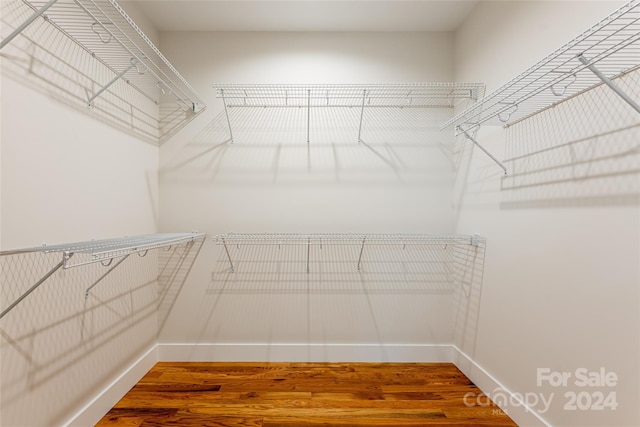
[(265, 184), (561, 280), (66, 176)]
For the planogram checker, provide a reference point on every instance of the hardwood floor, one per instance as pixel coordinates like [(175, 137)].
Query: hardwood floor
[(302, 395)]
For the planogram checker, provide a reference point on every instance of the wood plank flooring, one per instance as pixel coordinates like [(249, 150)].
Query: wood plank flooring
[(302, 395)]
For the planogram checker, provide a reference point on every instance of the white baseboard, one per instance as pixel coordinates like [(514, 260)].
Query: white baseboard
[(519, 412), (93, 411), (314, 352)]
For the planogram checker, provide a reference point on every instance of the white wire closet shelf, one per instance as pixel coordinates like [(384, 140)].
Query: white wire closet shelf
[(401, 95), (107, 249), (352, 100), (100, 251), (345, 239), (104, 30), (607, 50)]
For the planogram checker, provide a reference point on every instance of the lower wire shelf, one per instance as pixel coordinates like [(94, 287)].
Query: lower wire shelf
[(103, 251), (357, 241)]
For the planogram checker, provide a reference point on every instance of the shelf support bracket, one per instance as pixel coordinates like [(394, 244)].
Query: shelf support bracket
[(86, 292), (36, 285), (484, 150), (361, 251), (364, 97), (609, 83), (26, 23), (233, 270), (226, 113), (308, 112), (134, 63), (308, 252)]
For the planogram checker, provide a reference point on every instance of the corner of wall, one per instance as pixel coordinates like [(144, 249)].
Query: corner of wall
[(97, 407)]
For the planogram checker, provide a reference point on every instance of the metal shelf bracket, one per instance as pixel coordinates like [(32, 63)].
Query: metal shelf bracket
[(308, 112), (228, 256), (134, 63), (484, 150), (101, 251), (86, 292), (361, 251), (364, 97), (44, 278), (622, 94), (26, 23), (226, 113)]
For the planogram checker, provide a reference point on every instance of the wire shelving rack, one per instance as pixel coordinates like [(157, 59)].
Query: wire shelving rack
[(354, 97), (103, 251), (607, 50), (103, 29), (344, 239)]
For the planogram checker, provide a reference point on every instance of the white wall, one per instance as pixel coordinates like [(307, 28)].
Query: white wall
[(561, 279), (66, 176), (280, 184)]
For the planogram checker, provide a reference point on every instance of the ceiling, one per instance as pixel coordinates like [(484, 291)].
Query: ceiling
[(305, 15)]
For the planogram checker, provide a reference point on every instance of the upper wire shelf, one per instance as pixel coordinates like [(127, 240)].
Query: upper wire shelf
[(104, 30), (107, 249), (343, 239), (402, 95), (357, 107), (612, 44)]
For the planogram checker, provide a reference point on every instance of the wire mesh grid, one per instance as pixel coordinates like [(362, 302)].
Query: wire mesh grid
[(585, 151), (288, 263), (107, 249), (58, 333), (175, 265), (342, 239), (401, 95), (467, 279), (339, 113), (104, 60), (612, 45)]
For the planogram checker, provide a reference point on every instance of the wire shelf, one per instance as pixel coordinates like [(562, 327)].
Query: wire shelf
[(612, 44), (104, 30), (355, 243), (107, 249), (400, 95), (358, 108), (343, 239)]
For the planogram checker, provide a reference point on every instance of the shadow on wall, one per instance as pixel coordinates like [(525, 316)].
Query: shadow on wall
[(79, 328), (58, 346), (437, 285), (269, 146), (585, 151), (335, 269), (468, 268), (176, 263), (46, 60)]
